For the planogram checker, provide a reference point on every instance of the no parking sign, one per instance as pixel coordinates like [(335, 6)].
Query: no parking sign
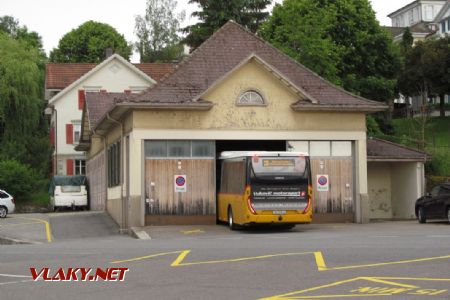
[(322, 183), (180, 183)]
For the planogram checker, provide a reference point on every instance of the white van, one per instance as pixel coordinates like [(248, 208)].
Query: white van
[(68, 191)]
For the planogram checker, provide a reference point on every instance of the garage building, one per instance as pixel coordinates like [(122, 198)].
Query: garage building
[(234, 92)]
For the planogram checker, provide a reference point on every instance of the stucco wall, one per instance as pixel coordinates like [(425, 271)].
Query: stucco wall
[(276, 115), (407, 187), (379, 183)]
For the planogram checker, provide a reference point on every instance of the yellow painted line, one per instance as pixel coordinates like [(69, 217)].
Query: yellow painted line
[(385, 263), (338, 296), (144, 257), (287, 295), (180, 258), (48, 231), (18, 224), (413, 278), (179, 261), (320, 262), (192, 231), (383, 281)]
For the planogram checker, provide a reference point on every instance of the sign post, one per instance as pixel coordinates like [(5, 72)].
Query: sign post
[(322, 183), (180, 183)]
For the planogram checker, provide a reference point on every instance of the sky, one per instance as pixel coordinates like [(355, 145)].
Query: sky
[(54, 18)]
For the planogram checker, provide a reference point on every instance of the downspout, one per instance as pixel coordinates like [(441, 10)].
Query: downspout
[(123, 226)]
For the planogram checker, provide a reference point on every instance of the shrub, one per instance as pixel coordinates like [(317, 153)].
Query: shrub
[(17, 179), (440, 163)]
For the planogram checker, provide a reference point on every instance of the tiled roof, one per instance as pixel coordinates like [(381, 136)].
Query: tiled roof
[(226, 49), (98, 104), (61, 75), (381, 150)]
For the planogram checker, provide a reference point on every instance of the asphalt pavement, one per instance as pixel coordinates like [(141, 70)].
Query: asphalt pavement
[(383, 260)]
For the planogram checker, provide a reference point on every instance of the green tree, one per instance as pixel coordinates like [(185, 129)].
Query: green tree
[(157, 32), (340, 40), (88, 43), (215, 13), (23, 133), (18, 178), (407, 41)]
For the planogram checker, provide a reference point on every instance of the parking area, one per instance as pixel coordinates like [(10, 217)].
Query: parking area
[(382, 260)]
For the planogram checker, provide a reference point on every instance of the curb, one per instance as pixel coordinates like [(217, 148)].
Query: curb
[(11, 241), (139, 234)]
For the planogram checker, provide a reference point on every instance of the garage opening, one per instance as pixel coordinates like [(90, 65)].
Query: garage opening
[(257, 145)]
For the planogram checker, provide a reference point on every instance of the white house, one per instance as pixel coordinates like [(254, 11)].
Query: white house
[(65, 87)]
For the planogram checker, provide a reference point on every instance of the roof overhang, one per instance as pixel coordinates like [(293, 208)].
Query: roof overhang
[(396, 159), (121, 109), (341, 108)]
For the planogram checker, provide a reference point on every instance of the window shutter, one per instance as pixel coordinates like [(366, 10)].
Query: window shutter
[(52, 136), (69, 165), (81, 99), (69, 134)]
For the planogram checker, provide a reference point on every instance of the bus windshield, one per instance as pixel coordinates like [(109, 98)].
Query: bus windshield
[(279, 167)]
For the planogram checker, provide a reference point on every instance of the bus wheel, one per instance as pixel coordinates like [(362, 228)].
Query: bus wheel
[(230, 219)]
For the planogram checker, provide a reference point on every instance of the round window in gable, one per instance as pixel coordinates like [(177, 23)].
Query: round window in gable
[(251, 98)]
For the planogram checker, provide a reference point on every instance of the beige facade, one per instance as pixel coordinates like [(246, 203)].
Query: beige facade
[(275, 120)]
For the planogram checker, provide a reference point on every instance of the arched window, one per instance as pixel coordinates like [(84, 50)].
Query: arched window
[(251, 97)]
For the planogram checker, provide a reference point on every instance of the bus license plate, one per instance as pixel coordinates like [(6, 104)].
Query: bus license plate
[(279, 212)]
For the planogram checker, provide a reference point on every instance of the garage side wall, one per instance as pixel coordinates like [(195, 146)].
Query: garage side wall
[(95, 172), (380, 193), (407, 187)]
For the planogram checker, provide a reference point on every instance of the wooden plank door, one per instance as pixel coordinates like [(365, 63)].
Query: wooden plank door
[(199, 198), (339, 198)]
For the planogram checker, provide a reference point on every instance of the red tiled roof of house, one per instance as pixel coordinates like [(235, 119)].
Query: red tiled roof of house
[(226, 49), (61, 75)]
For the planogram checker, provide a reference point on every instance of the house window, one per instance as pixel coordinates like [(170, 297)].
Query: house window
[(80, 167), (76, 133), (114, 164), (250, 98)]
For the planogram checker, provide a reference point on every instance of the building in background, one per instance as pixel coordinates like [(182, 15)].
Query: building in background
[(65, 88)]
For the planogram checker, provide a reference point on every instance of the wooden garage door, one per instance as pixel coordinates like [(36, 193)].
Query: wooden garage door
[(339, 198), (199, 198)]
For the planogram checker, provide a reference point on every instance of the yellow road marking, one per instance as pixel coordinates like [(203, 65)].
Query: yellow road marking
[(383, 280), (322, 268), (389, 282), (48, 230), (320, 262), (192, 231), (286, 296), (179, 261), (335, 296), (180, 258), (145, 257), (18, 224), (319, 259)]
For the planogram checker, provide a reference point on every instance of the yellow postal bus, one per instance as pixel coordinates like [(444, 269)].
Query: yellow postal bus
[(264, 188)]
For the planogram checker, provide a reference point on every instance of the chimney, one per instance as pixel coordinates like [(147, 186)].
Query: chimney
[(109, 52)]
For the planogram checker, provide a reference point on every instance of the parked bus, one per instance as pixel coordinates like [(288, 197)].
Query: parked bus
[(265, 188)]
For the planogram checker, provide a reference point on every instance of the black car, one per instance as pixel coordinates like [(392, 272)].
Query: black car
[(435, 205)]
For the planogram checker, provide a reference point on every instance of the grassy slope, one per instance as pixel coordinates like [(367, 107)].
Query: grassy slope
[(407, 131)]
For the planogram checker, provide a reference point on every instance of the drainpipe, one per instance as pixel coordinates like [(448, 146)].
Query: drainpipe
[(124, 225)]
